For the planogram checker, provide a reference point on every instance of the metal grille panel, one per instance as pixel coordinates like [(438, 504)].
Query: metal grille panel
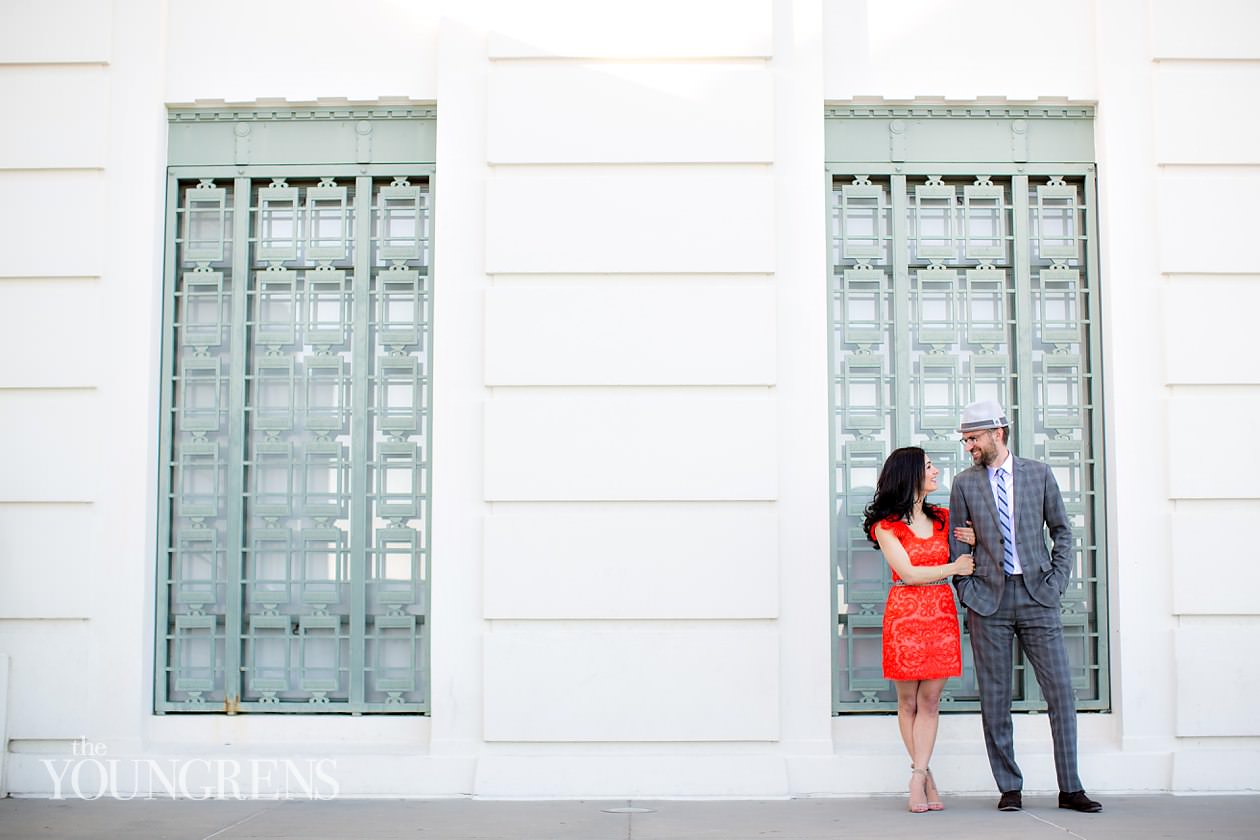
[(294, 574), (947, 289)]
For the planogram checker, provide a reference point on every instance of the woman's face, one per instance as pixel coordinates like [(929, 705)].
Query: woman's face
[(929, 476)]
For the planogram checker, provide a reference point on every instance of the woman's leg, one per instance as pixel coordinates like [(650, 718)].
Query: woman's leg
[(926, 722), (907, 716), (907, 706)]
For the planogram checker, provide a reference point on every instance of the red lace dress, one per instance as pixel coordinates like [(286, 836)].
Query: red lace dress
[(921, 622)]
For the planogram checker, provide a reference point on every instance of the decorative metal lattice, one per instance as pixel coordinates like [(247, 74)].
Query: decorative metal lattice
[(295, 460), (947, 289)]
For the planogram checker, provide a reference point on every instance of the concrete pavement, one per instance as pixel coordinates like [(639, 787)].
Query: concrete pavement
[(1234, 817)]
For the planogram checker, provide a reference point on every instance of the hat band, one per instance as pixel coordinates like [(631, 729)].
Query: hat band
[(984, 424)]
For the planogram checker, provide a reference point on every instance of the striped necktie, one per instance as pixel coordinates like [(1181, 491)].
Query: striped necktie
[(1004, 519)]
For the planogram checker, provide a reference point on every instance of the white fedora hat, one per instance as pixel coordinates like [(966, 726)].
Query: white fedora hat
[(985, 414)]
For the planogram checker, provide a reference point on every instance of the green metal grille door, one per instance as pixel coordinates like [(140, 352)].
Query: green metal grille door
[(294, 574), (948, 288)]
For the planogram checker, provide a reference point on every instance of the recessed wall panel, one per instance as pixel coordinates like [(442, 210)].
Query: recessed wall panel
[(48, 134), (43, 547), (1204, 222), (632, 447), (629, 112), (646, 29), (631, 222), (1208, 547), (50, 443), (1211, 29), (688, 682), (632, 561), (47, 701), (83, 32), (1215, 687), (1197, 113), (59, 217), (1204, 341), (631, 334), (50, 332), (1193, 471)]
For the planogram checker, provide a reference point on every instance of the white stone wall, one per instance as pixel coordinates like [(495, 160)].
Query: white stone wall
[(80, 207), (1209, 281), (630, 534)]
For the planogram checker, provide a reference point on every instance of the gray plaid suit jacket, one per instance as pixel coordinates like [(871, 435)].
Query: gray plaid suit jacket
[(1038, 506)]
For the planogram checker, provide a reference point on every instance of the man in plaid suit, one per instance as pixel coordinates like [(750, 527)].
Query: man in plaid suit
[(1015, 592)]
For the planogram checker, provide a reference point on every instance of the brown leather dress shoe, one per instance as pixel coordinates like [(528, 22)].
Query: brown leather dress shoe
[(1077, 801), (1013, 800)]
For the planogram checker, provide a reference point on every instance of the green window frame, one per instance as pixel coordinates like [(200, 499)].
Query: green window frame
[(963, 255), (293, 524)]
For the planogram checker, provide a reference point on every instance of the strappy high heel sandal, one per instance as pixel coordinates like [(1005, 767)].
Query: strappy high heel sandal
[(917, 807), (933, 795)]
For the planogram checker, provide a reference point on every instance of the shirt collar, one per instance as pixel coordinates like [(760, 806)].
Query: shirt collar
[(1005, 465)]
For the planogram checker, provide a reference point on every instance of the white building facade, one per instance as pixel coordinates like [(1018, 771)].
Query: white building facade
[(618, 484)]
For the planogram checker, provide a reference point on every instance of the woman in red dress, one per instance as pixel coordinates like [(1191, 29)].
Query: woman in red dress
[(921, 645)]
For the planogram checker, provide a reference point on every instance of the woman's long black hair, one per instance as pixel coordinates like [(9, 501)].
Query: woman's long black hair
[(899, 483)]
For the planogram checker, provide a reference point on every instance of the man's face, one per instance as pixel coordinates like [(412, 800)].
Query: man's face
[(982, 447)]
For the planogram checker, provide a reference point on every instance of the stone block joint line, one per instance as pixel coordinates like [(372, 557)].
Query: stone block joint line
[(1069, 831)]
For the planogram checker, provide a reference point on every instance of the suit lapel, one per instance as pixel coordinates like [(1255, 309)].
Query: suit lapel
[(985, 488), (1023, 487)]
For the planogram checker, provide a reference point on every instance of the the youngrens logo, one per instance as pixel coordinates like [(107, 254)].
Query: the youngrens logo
[(92, 774)]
